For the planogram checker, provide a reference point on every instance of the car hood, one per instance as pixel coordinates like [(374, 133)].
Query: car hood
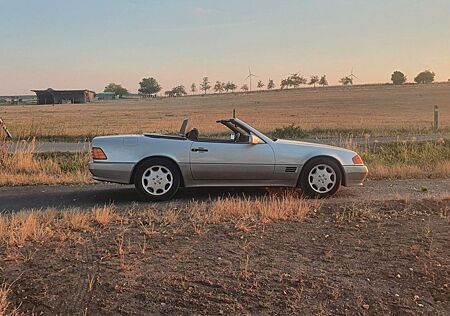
[(294, 143)]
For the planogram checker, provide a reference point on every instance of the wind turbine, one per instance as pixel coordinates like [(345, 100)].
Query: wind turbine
[(250, 75), (352, 76)]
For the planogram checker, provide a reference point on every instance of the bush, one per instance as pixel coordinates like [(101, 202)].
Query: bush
[(289, 132)]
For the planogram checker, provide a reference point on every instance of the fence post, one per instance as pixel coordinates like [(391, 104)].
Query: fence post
[(436, 118), (3, 126)]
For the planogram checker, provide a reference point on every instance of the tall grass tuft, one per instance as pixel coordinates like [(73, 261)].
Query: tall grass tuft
[(260, 209), (23, 166), (408, 159), (5, 305)]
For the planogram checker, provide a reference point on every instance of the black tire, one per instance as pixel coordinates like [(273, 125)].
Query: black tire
[(313, 190), (144, 168)]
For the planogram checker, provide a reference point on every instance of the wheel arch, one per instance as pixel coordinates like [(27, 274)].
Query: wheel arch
[(133, 173), (341, 168)]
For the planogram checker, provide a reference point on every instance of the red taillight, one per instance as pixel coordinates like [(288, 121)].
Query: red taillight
[(98, 154), (357, 160)]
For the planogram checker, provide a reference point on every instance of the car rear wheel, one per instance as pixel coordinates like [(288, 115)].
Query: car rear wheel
[(157, 179), (321, 177)]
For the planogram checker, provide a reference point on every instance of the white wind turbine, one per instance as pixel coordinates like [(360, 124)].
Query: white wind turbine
[(250, 75)]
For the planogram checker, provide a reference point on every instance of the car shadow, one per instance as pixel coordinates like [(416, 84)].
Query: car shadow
[(62, 197), (42, 197)]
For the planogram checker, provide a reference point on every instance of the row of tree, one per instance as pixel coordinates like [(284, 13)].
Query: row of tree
[(150, 86), (426, 76)]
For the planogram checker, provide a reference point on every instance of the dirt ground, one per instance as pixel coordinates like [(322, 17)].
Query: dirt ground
[(386, 257), (376, 107)]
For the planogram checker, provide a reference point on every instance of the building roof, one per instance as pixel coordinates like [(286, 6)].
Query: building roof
[(50, 90)]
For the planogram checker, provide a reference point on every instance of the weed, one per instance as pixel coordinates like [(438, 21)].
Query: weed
[(103, 215)]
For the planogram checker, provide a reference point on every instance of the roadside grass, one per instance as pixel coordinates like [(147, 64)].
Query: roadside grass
[(397, 160), (289, 131), (403, 160), (25, 167)]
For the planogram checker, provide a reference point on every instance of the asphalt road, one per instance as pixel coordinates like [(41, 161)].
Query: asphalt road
[(84, 146), (84, 196)]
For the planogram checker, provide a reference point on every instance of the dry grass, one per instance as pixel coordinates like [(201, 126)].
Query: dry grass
[(399, 160), (24, 226), (408, 160), (104, 215), (246, 211), (380, 109), (24, 167), (5, 306), (380, 171), (77, 220), (19, 228)]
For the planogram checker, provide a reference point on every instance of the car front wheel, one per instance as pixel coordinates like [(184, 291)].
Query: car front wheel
[(321, 177), (157, 179)]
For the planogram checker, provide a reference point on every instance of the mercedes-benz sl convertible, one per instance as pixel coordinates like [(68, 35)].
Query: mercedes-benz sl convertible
[(159, 164)]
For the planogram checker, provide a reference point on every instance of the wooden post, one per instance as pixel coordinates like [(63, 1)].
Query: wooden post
[(2, 124), (234, 113), (436, 118)]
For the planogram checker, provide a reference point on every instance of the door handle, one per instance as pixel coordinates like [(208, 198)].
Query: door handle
[(200, 149)]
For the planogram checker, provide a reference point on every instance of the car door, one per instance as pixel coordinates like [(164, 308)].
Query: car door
[(231, 161)]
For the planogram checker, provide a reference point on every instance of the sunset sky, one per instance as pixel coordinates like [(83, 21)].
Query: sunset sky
[(86, 44)]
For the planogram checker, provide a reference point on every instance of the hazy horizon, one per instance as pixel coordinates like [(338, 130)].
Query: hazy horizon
[(80, 44)]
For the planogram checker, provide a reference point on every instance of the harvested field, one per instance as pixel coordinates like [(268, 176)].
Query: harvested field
[(358, 110), (226, 257)]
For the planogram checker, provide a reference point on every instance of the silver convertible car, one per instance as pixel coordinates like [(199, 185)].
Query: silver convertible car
[(159, 164)]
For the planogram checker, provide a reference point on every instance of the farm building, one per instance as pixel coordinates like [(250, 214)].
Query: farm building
[(51, 96), (106, 96)]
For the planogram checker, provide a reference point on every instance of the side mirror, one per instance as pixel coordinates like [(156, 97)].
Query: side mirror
[(254, 140)]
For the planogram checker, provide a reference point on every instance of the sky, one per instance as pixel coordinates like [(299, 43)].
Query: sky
[(89, 43)]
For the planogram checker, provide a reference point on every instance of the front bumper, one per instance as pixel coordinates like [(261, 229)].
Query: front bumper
[(111, 172), (355, 175)]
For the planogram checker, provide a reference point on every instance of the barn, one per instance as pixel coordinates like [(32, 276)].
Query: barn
[(106, 96), (51, 96)]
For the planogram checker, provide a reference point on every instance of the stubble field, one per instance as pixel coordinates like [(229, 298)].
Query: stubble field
[(359, 110)]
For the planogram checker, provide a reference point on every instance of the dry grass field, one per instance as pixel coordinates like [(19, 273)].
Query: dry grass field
[(374, 110), (267, 255)]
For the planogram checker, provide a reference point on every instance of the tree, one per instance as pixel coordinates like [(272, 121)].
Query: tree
[(284, 84), (314, 80), (230, 86), (398, 78), (323, 81), (425, 77), (346, 81), (117, 89), (193, 88), (244, 87), (219, 87), (178, 91), (260, 84), (205, 85), (271, 84), (295, 80), (149, 86)]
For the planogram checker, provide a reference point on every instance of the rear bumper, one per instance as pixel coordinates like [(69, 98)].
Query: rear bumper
[(111, 172), (355, 175)]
